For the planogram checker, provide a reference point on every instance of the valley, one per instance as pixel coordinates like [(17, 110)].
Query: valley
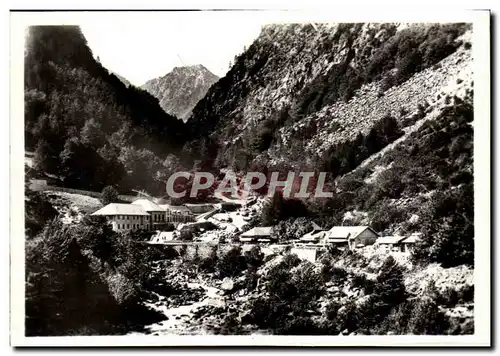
[(381, 114)]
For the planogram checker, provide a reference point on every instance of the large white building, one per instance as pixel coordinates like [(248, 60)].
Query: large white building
[(125, 217), (142, 214)]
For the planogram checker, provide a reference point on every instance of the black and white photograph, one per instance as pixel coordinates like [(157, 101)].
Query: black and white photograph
[(283, 177)]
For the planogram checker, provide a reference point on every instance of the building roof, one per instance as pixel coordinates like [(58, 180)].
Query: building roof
[(347, 231), (174, 207), (411, 239), (121, 209), (192, 205), (316, 227), (309, 238), (337, 240), (246, 239), (258, 231), (163, 236), (389, 240), (147, 205), (312, 236), (196, 224)]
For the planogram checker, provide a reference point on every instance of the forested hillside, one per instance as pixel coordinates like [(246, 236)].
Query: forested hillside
[(296, 83), (84, 124)]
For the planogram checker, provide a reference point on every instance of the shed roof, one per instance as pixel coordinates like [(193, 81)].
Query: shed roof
[(163, 236), (313, 234), (121, 209), (412, 239), (258, 231), (347, 231), (147, 205), (316, 227), (385, 240), (308, 237), (246, 239), (337, 240)]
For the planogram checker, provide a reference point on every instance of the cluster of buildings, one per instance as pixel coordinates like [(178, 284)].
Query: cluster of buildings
[(143, 214), (343, 237)]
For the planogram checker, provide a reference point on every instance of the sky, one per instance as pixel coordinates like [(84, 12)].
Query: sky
[(140, 47)]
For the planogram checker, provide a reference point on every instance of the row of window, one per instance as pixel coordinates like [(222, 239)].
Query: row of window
[(179, 218), (127, 226), (156, 217), (128, 217), (178, 212)]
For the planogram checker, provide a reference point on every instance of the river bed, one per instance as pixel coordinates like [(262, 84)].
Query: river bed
[(181, 318)]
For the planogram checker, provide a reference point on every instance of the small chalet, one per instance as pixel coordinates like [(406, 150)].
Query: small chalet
[(315, 236), (257, 234), (408, 244), (351, 236), (390, 243)]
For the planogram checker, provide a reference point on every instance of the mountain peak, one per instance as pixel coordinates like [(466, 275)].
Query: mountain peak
[(180, 90)]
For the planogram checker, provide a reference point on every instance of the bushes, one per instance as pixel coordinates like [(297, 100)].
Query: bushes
[(291, 229), (38, 211), (344, 157), (412, 50), (448, 229), (63, 293), (415, 317), (231, 264), (339, 274), (388, 292), (360, 281), (263, 137), (109, 195), (451, 297), (284, 308), (389, 284), (95, 281), (385, 215), (436, 158), (404, 53), (279, 208), (208, 264)]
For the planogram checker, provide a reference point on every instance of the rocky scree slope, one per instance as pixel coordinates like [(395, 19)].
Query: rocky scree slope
[(180, 90), (320, 84), (343, 121)]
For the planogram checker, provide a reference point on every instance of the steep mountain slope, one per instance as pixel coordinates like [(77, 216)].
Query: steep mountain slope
[(122, 79), (180, 90), (84, 124), (303, 76), (385, 109)]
